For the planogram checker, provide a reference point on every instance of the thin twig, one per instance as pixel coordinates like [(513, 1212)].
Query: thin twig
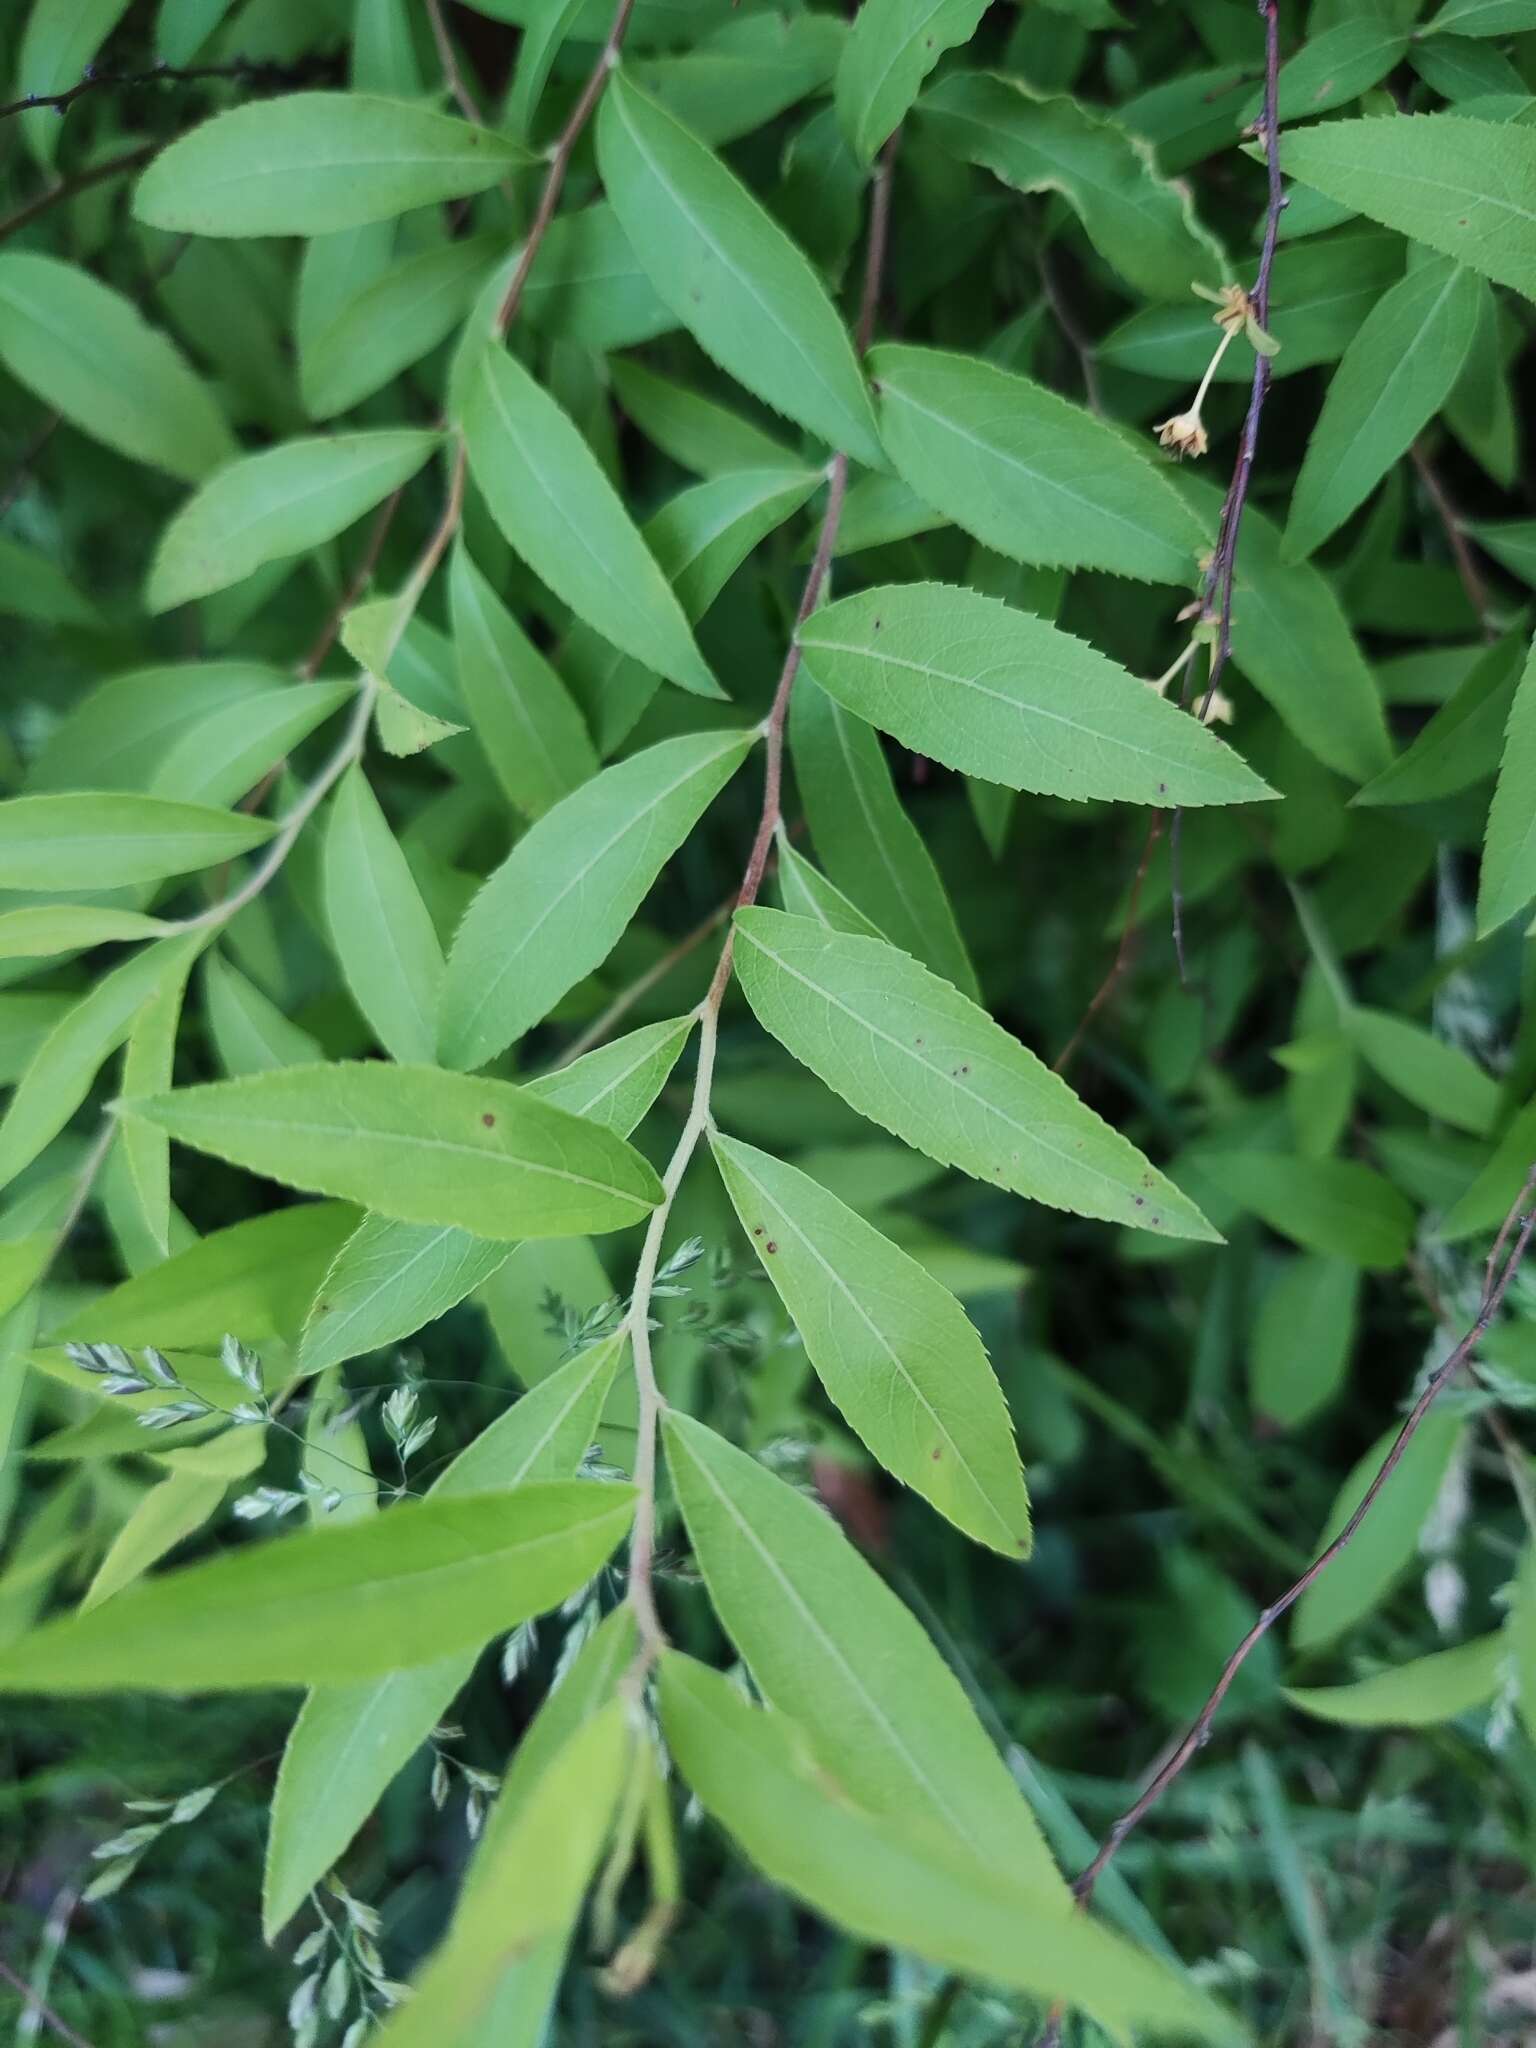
[(264, 74), (356, 584), (34, 2007), (625, 1000), (94, 174), (452, 74), (1067, 321), (1456, 539)]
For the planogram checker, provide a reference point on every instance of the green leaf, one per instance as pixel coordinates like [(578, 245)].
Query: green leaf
[(391, 1278), (88, 353), (382, 931), (1460, 744), (1335, 1206), (281, 502), (893, 47), (729, 272), (1139, 222), (57, 45), (564, 896), (1510, 541), (1302, 1338), (250, 1033), (1025, 470), (1482, 18), (523, 716), (695, 431), (1460, 185), (589, 286), (255, 1279), (1334, 67), (890, 1881), (1387, 1541), (392, 323), (225, 753), (34, 586), (828, 1642), (315, 162), (1396, 375), (915, 1056), (806, 892), (869, 846), (1005, 695), (174, 1510), (418, 1144), (148, 1065), (892, 1347), (333, 1604), (553, 502), (349, 1741), (1437, 1077), (1418, 1694), (745, 72), (1508, 879), (105, 841), (120, 734)]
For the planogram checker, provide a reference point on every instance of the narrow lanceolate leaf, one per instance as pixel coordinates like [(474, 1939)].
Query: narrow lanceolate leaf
[(103, 842), (1140, 223), (1335, 1206), (349, 1741), (893, 46), (522, 714), (730, 273), (1462, 186), (333, 1604), (1025, 470), (1418, 1694), (872, 851), (917, 1057), (37, 933), (1462, 742), (1509, 849), (1395, 376), (892, 1347), (382, 931), (806, 891), (281, 502), (315, 162), (418, 1144), (828, 1642), (892, 1881), (1435, 1075), (393, 322), (88, 353), (57, 45), (390, 1278), (1005, 695), (148, 1065), (551, 499), (559, 903)]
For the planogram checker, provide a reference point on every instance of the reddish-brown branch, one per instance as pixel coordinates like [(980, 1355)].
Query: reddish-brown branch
[(1455, 539), (356, 584), (1123, 952)]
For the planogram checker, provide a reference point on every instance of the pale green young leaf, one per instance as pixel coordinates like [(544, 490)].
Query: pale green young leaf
[(805, 891), (281, 502), (894, 1349), (1005, 695), (391, 1278), (914, 1055), (553, 502), (38, 933), (1460, 185), (419, 1144), (828, 1643), (330, 1605), (88, 352), (893, 1881), (730, 273), (522, 714), (1418, 1694), (79, 841), (392, 322), (1335, 1206), (1395, 376), (382, 931), (893, 46), (559, 903), (1433, 1074), (250, 1033), (697, 432), (1140, 223), (1387, 1541), (254, 1279), (870, 848), (1508, 879), (171, 1511), (1460, 745), (349, 1741), (1302, 1338), (1025, 470), (314, 162)]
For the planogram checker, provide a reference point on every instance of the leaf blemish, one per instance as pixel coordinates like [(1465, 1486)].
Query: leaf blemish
[(488, 1119)]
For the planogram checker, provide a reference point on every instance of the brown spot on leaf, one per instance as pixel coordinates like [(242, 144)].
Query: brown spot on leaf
[(770, 1246), (488, 1119)]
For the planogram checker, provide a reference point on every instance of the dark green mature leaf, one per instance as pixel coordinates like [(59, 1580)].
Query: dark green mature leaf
[(101, 842), (1509, 852), (88, 353), (914, 1055), (1005, 695), (730, 273), (1510, 541), (563, 897), (893, 47), (1462, 186), (419, 1144), (1025, 470), (334, 1604), (557, 508), (1460, 744), (1482, 18), (1302, 1338), (316, 162), (745, 72)]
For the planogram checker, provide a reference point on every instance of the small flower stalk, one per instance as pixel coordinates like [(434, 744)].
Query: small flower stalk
[(1184, 433)]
